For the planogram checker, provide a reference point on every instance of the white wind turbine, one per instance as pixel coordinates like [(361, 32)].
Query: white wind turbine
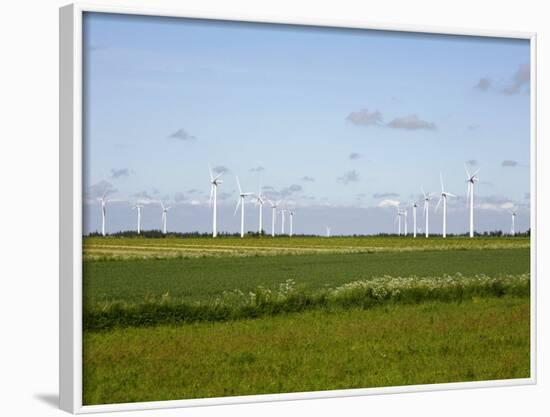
[(214, 182), (471, 180), (328, 230), (427, 198), (274, 206), (398, 220), (138, 207), (443, 197), (240, 202), (164, 216), (414, 206), (260, 200), (103, 200), (291, 218), (514, 213)]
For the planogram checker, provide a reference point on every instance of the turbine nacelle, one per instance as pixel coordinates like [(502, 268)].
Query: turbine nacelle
[(471, 178)]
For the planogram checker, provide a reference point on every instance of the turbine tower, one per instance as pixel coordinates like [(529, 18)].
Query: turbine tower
[(427, 198), (283, 210), (471, 180), (513, 229), (414, 206), (103, 201), (443, 198), (398, 221), (260, 200), (328, 230), (214, 182), (240, 202), (291, 217), (274, 206), (138, 207), (164, 216), (405, 214)]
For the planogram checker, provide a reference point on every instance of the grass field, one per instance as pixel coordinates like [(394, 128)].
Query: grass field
[(200, 278), (170, 318), (484, 339)]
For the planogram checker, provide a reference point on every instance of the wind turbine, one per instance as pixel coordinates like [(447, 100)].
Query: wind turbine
[(240, 201), (291, 215), (164, 216), (260, 200), (471, 180), (274, 206), (103, 200), (514, 213), (414, 206), (214, 182), (427, 198), (443, 197), (283, 211), (398, 220), (138, 207), (328, 230)]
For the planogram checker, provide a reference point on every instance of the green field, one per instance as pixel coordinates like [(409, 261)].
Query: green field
[(434, 342), (418, 311), (200, 278)]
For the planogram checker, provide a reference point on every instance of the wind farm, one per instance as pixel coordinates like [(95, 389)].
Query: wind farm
[(281, 209), (286, 212)]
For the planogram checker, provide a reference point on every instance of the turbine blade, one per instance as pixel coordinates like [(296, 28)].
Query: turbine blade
[(438, 203), (467, 172), (475, 173), (237, 206), (239, 185), (441, 180), (210, 171), (423, 192)]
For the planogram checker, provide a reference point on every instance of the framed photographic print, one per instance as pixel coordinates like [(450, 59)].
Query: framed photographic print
[(257, 209)]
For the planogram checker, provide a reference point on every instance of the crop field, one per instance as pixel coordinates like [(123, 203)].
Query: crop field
[(96, 248), (300, 314)]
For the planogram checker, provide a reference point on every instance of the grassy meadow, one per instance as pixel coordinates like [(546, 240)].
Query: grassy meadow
[(174, 318)]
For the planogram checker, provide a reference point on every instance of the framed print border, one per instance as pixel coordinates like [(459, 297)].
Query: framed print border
[(70, 202)]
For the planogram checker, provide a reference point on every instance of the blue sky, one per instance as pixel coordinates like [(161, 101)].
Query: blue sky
[(341, 124)]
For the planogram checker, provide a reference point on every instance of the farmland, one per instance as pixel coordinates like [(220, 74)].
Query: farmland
[(153, 306), (96, 248)]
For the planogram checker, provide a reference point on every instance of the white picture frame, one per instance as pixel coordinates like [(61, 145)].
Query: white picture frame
[(70, 262)]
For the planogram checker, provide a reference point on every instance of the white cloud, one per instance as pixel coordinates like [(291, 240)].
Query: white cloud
[(411, 122), (388, 203), (365, 118)]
